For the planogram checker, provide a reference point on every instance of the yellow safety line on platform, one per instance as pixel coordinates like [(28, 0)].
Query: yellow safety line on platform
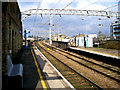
[(40, 75)]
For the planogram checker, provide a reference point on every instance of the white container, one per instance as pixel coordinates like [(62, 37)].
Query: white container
[(81, 41), (89, 42), (77, 41)]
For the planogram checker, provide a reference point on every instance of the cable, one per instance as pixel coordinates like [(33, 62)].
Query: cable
[(53, 8), (111, 6), (94, 3), (65, 7), (56, 4), (82, 7), (68, 4), (36, 14), (90, 4), (103, 9)]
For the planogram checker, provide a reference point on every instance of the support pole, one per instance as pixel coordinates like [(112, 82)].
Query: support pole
[(86, 39), (50, 29), (25, 40), (86, 34), (58, 34)]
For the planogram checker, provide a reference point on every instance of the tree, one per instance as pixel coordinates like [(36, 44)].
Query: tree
[(100, 36)]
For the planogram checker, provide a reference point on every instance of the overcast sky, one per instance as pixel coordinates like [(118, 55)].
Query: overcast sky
[(68, 24)]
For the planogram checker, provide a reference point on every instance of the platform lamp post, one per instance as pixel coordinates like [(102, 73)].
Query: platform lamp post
[(50, 29), (25, 36), (85, 35)]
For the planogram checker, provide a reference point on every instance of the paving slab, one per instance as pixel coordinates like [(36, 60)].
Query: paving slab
[(52, 78), (31, 78), (101, 51)]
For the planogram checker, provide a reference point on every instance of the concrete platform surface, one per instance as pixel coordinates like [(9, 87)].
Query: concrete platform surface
[(31, 72), (105, 52), (52, 78)]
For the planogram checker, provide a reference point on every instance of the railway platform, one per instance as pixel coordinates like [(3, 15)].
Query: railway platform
[(99, 51), (37, 72)]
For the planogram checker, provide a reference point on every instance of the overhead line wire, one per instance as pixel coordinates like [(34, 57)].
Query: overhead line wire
[(90, 4), (68, 4), (56, 4), (87, 6), (103, 9), (36, 13), (52, 8), (66, 7), (111, 6)]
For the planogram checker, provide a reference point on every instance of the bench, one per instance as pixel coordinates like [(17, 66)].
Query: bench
[(15, 73)]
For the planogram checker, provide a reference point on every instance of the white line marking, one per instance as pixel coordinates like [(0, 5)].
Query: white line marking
[(57, 70), (97, 53)]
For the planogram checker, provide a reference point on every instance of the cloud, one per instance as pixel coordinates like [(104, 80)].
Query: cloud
[(73, 25), (88, 5), (27, 5), (47, 4), (77, 4)]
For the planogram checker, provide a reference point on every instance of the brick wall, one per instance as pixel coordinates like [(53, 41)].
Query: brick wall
[(0, 45), (11, 33)]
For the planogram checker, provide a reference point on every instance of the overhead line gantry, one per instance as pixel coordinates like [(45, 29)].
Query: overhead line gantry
[(71, 12), (60, 12)]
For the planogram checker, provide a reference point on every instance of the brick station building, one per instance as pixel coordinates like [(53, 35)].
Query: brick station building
[(11, 34)]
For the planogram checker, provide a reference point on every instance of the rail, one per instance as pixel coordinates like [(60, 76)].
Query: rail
[(99, 87)]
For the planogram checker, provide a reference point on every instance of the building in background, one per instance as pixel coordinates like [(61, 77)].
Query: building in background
[(81, 41), (114, 34), (59, 37), (115, 27), (115, 30)]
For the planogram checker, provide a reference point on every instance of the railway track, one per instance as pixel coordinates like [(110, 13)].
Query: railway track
[(74, 77), (90, 64), (105, 71), (108, 67)]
